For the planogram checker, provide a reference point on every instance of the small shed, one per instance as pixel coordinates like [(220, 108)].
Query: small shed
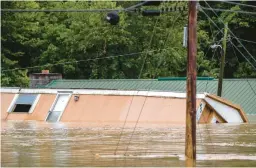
[(214, 109)]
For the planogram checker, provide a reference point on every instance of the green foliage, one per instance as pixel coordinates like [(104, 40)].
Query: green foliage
[(50, 40)]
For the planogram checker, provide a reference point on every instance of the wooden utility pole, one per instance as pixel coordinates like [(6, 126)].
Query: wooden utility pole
[(190, 149), (222, 64)]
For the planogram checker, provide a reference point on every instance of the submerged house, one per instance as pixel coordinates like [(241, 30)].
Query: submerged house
[(149, 101)]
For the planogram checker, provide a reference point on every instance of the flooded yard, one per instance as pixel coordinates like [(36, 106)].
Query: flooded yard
[(31, 144)]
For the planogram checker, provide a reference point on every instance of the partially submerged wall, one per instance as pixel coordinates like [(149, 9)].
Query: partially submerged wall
[(39, 113), (6, 99), (101, 108)]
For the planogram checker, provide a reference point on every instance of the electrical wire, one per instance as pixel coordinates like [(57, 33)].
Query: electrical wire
[(246, 40), (231, 41), (91, 59), (210, 48), (251, 87), (235, 47), (142, 67), (138, 119), (122, 130), (234, 52), (149, 46), (236, 3), (243, 56), (164, 45), (228, 10), (246, 78), (135, 6), (231, 32), (60, 10), (75, 10), (237, 50), (133, 95)]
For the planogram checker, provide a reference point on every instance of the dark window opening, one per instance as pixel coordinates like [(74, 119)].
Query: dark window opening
[(22, 108)]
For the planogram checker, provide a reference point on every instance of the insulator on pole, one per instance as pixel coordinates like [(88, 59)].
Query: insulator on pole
[(112, 18), (185, 37), (151, 13)]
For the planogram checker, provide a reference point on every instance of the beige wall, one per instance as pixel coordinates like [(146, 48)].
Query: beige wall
[(105, 108), (102, 108), (40, 112), (6, 100)]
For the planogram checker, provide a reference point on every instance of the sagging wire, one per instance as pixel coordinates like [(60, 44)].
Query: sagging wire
[(236, 3), (138, 119), (120, 136), (247, 77), (76, 61), (231, 32), (230, 41), (164, 45), (148, 89), (228, 10), (76, 10)]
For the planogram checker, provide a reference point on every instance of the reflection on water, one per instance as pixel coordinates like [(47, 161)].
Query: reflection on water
[(74, 144)]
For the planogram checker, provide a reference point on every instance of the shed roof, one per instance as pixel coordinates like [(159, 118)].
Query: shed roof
[(238, 91)]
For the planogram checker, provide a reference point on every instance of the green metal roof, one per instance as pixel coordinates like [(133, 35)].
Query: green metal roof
[(238, 91)]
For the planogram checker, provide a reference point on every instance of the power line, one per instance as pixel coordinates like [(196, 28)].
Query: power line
[(246, 78), (75, 10), (135, 6), (228, 10), (138, 119), (142, 67), (162, 10), (243, 55), (60, 10), (230, 41), (149, 46), (240, 4), (91, 59), (234, 52), (232, 33), (246, 40)]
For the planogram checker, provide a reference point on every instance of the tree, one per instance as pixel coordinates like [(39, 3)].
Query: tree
[(81, 45)]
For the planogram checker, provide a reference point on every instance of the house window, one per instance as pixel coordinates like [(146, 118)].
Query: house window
[(25, 103), (22, 108)]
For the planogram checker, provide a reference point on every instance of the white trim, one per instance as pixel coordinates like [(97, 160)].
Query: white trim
[(34, 104), (64, 107), (105, 92), (11, 106), (200, 110), (54, 103), (10, 90)]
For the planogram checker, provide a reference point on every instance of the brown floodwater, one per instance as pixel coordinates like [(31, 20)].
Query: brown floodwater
[(34, 144)]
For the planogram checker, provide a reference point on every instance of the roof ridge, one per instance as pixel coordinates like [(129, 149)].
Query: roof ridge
[(82, 80), (70, 80)]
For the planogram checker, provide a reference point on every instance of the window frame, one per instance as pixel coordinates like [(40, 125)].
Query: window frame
[(13, 104)]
